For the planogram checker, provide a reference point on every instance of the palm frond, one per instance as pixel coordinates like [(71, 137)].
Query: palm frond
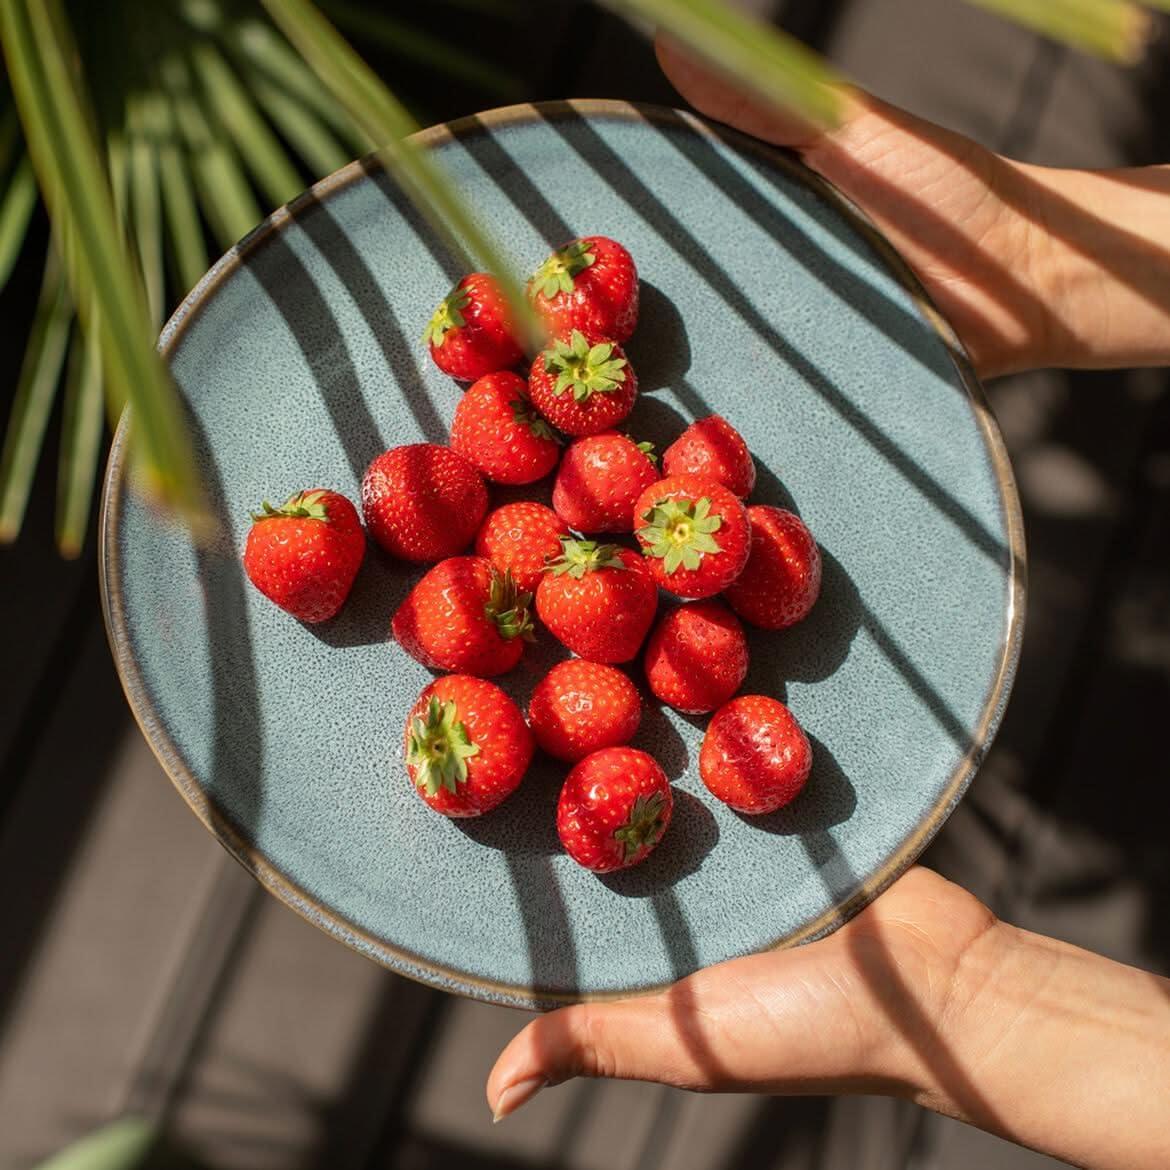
[(60, 139), (300, 125), (236, 111)]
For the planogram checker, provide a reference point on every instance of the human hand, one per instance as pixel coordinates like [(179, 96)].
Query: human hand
[(1033, 266), (858, 1011), (925, 995)]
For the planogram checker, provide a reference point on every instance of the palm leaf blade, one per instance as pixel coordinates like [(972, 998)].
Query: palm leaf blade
[(383, 117), (15, 213), (81, 439), (1114, 29), (309, 136), (773, 65)]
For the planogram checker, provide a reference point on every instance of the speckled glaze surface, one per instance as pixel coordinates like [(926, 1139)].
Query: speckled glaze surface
[(765, 299)]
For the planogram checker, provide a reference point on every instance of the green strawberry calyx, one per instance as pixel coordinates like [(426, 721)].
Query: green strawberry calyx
[(583, 368), (523, 415), (645, 826), (556, 274), (509, 607), (647, 449), (679, 531), (579, 557), (303, 506), (439, 748), (449, 315)]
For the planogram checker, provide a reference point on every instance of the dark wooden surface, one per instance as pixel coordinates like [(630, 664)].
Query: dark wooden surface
[(142, 970)]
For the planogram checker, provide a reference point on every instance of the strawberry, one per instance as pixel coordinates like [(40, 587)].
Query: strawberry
[(471, 332), (598, 599), (580, 388), (581, 706), (782, 578), (305, 554), (599, 481), (423, 502), (521, 538), (497, 431), (714, 449), (693, 533), (754, 757), (467, 745), (590, 284), (613, 809), (697, 657), (465, 616)]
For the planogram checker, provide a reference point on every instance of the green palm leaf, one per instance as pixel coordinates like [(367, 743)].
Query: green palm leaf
[(74, 186), (15, 212), (81, 439)]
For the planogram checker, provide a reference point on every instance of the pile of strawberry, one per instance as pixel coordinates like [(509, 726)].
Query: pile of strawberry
[(467, 744)]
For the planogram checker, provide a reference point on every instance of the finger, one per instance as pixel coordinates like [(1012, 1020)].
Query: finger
[(638, 1039), (725, 100)]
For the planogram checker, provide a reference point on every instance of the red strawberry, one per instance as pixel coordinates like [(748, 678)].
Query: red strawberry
[(423, 502), (697, 657), (599, 481), (581, 706), (496, 430), (581, 388), (521, 538), (471, 332), (613, 809), (693, 533), (754, 757), (465, 616), (714, 449), (782, 578), (305, 554), (598, 599), (467, 745), (590, 284)]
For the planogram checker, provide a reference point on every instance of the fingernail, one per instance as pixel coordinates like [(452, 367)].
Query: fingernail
[(516, 1095)]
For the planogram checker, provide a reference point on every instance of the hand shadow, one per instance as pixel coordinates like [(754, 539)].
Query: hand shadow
[(828, 798)]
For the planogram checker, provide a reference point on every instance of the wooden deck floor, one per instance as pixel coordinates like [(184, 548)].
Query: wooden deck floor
[(142, 970)]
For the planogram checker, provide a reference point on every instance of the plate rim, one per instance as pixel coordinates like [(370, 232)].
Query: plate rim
[(280, 884)]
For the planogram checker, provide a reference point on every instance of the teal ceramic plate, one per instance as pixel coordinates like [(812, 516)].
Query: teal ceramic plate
[(765, 298)]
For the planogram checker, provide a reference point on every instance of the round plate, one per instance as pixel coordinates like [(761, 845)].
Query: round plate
[(765, 298)]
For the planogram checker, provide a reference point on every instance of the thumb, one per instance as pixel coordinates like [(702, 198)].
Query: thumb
[(637, 1039), (726, 101)]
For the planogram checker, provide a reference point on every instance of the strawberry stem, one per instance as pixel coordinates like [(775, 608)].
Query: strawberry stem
[(579, 557), (679, 531), (556, 274), (645, 826), (304, 505), (449, 315), (583, 368), (439, 748), (509, 607)]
